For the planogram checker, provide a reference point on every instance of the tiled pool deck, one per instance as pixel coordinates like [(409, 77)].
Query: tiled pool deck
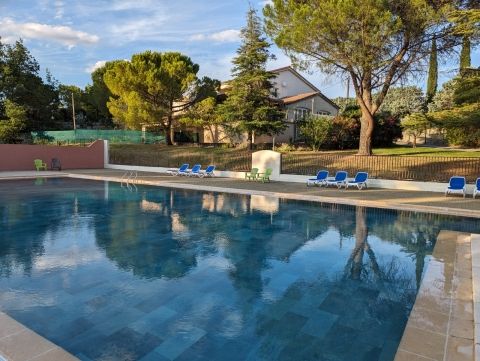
[(447, 310)]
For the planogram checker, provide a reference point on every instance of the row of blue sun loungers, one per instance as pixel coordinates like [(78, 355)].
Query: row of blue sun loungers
[(459, 185), (340, 180), (196, 171)]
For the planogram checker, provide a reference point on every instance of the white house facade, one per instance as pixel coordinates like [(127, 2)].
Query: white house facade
[(298, 98)]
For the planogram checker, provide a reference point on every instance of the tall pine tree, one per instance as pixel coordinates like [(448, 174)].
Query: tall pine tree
[(465, 59), (432, 73), (249, 107)]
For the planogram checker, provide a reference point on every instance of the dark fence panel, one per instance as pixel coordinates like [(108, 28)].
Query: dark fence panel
[(427, 169), (151, 156)]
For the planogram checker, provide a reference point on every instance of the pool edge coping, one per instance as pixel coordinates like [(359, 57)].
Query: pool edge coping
[(21, 343), (446, 304), (292, 196), (475, 247)]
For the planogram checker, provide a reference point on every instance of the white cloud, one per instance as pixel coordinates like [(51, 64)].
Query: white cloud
[(90, 69), (225, 36), (61, 34), (59, 9)]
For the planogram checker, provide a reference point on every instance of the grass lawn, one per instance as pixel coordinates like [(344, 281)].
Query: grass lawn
[(145, 151), (425, 151)]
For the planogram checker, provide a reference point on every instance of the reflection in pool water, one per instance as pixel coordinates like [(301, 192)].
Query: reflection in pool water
[(159, 274)]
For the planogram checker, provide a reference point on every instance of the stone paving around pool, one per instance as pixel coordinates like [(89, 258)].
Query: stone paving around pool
[(441, 324), (420, 201)]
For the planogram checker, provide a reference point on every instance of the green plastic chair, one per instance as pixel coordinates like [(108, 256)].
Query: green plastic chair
[(40, 165), (252, 175), (265, 177)]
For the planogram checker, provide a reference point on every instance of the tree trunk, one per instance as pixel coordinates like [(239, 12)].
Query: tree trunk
[(168, 135), (366, 131), (250, 141), (414, 145), (361, 234)]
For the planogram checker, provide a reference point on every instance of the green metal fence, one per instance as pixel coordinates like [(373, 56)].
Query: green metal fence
[(163, 156), (424, 169), (90, 135)]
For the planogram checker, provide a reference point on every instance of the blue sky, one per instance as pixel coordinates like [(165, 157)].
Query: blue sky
[(71, 37)]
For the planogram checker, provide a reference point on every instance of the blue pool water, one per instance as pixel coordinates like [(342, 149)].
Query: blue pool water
[(110, 273)]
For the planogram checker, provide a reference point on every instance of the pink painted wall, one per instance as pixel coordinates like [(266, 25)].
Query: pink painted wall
[(20, 156)]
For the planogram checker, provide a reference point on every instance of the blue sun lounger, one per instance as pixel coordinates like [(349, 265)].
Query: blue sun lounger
[(457, 185), (183, 168), (339, 180), (207, 172), (320, 180), (360, 181), (476, 190), (194, 171)]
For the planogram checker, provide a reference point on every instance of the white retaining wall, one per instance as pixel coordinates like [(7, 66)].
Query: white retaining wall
[(269, 159)]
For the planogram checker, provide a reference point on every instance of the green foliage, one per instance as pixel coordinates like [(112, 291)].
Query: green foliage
[(465, 58), (461, 118), (204, 115), (316, 130), (461, 124), (249, 107), (345, 132), (387, 130), (343, 103), (401, 101), (467, 90), (432, 81), (376, 42), (97, 95), (148, 88), (15, 123), (415, 125), (21, 83), (445, 98)]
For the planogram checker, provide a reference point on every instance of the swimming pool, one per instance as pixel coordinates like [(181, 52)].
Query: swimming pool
[(112, 273)]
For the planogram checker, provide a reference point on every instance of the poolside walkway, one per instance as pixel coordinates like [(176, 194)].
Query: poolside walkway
[(380, 198)]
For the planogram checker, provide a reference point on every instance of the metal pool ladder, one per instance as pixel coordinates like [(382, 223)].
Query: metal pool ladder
[(129, 178)]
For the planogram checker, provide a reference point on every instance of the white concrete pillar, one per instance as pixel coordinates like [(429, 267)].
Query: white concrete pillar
[(268, 159), (106, 157)]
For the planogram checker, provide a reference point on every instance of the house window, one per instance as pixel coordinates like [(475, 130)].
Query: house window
[(323, 112), (300, 114)]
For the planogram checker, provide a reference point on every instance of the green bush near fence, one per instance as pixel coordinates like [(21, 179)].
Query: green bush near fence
[(90, 135)]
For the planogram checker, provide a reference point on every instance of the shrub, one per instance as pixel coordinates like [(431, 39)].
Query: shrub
[(387, 130), (316, 131), (285, 148)]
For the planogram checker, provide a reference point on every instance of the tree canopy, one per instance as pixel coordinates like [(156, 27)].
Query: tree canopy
[(153, 88), (21, 83), (376, 42), (249, 104), (15, 123)]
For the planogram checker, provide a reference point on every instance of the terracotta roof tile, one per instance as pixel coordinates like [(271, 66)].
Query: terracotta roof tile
[(298, 97)]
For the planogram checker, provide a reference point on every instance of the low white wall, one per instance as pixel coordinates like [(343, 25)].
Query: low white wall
[(293, 178), (267, 159), (382, 183), (225, 174), (270, 159)]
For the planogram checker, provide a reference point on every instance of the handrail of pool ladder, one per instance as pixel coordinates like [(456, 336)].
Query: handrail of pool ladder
[(129, 177)]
